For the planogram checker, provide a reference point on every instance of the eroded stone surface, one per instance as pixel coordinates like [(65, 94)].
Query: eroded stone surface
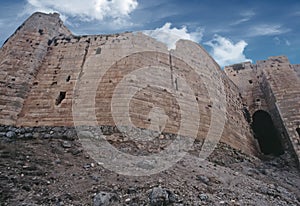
[(273, 86), (44, 68)]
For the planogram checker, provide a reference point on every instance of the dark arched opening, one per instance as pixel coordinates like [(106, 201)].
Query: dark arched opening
[(298, 131), (266, 134)]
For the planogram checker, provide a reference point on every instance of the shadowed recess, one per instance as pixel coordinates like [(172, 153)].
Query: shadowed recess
[(266, 134)]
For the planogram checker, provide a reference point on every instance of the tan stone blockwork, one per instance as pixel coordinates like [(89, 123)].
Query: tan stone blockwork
[(274, 87), (56, 79)]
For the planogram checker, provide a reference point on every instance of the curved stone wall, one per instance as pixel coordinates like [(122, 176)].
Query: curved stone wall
[(131, 79)]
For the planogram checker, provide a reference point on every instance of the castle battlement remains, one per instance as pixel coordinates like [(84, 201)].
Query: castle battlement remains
[(46, 73)]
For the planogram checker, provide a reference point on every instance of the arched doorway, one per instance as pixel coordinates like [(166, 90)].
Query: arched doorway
[(298, 131), (266, 133)]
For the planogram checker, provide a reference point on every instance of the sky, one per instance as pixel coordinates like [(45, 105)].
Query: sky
[(232, 31)]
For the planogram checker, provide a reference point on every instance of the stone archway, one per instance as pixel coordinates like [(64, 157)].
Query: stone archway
[(266, 134)]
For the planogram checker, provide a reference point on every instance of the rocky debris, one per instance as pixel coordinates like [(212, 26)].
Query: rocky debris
[(105, 199), (20, 130), (2, 128), (107, 130), (85, 134), (11, 134), (131, 190), (58, 171), (47, 132), (203, 197), (69, 135), (203, 179), (66, 144), (28, 136), (159, 196)]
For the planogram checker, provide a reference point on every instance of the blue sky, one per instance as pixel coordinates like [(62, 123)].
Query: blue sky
[(232, 31)]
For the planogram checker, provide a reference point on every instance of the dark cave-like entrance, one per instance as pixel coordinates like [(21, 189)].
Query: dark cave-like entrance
[(298, 131), (266, 134)]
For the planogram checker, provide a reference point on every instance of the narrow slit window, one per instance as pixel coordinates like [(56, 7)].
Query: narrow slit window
[(68, 78), (60, 98)]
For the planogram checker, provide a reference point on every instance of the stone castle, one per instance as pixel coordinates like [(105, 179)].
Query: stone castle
[(46, 72)]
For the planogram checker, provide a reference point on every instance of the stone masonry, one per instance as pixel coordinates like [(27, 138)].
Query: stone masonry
[(272, 85), (47, 73)]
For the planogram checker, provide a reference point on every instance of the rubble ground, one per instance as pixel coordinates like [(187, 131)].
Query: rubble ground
[(57, 171)]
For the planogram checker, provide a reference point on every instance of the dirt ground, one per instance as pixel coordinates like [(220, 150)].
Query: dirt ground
[(59, 172)]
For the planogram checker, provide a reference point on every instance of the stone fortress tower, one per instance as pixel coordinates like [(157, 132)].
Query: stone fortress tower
[(271, 93), (44, 67)]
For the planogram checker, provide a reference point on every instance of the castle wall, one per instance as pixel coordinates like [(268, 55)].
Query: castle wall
[(284, 84), (247, 77), (112, 58), (297, 69), (77, 81), (274, 87), (20, 60)]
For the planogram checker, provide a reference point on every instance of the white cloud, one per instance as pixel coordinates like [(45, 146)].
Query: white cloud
[(170, 36), (279, 41), (225, 52), (267, 30), (85, 10), (240, 21), (245, 16)]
